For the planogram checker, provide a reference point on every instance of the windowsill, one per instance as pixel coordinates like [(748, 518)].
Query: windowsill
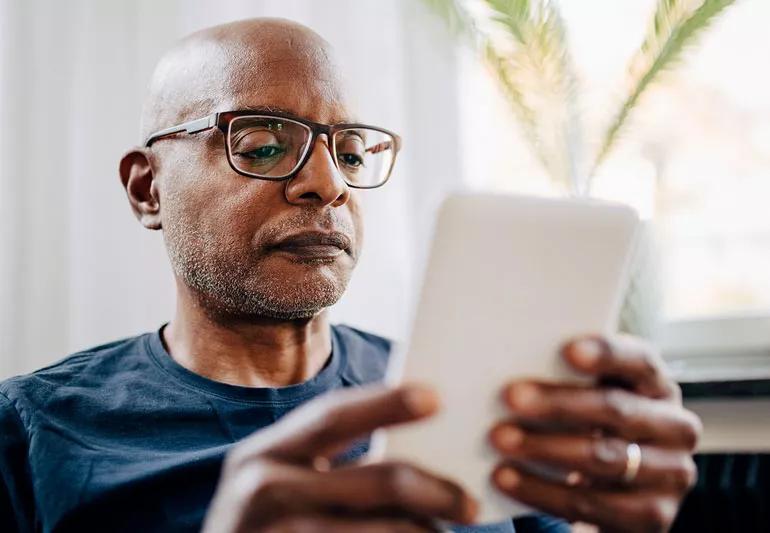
[(720, 358), (727, 375)]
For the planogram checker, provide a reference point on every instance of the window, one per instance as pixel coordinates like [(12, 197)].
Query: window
[(695, 159)]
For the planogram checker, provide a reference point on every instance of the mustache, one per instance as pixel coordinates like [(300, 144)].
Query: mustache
[(309, 220)]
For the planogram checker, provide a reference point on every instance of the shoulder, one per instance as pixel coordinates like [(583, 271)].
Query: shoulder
[(366, 354), (10, 421), (88, 368), (16, 494)]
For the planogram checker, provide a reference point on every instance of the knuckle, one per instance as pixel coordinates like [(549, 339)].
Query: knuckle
[(323, 426), (265, 491), (674, 391), (267, 488), (658, 515), (691, 430), (613, 348), (396, 480), (258, 489), (617, 405), (648, 363), (324, 431), (608, 455), (686, 475), (582, 506)]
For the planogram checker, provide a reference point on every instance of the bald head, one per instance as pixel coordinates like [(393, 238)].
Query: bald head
[(224, 230), (219, 68)]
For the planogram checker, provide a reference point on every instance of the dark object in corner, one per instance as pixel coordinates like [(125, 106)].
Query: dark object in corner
[(750, 388), (732, 495)]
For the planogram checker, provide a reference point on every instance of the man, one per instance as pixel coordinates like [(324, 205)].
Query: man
[(251, 167)]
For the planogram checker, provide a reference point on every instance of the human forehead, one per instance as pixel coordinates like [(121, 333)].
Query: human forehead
[(304, 99), (304, 82), (295, 99), (206, 75)]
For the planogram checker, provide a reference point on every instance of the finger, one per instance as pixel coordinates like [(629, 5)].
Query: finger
[(325, 524), (610, 509), (603, 459), (327, 424), (622, 358), (617, 411), (375, 488)]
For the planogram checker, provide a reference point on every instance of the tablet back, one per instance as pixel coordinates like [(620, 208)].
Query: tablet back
[(508, 280)]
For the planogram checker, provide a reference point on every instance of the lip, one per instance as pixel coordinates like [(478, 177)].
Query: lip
[(314, 245)]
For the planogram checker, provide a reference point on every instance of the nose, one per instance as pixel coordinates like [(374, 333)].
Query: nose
[(319, 182)]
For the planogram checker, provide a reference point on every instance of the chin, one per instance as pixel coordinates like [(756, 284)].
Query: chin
[(294, 293), (313, 275), (272, 287)]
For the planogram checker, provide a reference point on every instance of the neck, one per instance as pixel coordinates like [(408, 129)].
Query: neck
[(252, 352)]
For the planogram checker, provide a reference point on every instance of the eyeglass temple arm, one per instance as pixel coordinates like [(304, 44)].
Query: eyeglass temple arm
[(193, 126)]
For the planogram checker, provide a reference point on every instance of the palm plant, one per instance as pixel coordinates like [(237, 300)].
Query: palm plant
[(524, 43)]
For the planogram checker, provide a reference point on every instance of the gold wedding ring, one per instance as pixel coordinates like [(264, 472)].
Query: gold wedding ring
[(633, 462)]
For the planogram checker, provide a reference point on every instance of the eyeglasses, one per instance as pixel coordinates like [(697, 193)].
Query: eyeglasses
[(275, 146)]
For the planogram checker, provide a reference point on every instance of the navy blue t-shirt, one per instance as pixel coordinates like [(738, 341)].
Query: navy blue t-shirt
[(123, 438)]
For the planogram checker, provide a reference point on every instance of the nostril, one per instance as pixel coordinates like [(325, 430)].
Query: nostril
[(310, 196)]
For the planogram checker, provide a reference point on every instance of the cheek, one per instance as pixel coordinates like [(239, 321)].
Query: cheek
[(206, 198)]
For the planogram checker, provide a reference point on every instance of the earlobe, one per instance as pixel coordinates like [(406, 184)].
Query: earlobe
[(141, 187)]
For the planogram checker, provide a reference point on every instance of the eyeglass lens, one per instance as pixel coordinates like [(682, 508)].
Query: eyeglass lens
[(271, 147)]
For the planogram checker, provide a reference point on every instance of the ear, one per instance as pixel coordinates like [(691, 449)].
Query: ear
[(141, 187)]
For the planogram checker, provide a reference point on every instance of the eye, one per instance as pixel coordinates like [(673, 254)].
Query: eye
[(351, 160), (263, 152), (350, 151)]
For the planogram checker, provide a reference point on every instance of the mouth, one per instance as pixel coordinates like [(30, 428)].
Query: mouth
[(313, 246)]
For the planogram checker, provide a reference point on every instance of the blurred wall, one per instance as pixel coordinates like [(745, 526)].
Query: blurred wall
[(76, 269)]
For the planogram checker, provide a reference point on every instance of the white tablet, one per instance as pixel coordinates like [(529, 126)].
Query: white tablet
[(509, 279)]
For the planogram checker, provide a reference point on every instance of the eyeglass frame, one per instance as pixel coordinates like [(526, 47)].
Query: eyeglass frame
[(223, 119)]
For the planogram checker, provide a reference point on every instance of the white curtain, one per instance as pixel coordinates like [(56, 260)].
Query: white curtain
[(76, 269)]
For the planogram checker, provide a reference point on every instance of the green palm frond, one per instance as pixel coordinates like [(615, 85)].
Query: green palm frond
[(455, 15), (514, 15), (675, 26), (537, 64), (516, 97), (524, 44)]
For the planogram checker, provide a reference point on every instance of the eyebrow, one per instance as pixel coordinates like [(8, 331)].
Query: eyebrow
[(269, 109), (283, 110)]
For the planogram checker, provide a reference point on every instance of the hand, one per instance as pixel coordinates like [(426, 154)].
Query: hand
[(585, 432), (281, 478)]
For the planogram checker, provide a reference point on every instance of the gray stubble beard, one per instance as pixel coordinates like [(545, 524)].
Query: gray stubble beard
[(239, 292)]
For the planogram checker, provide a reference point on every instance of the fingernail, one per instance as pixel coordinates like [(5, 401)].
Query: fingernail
[(508, 437), (420, 400), (574, 478), (586, 352), (507, 478), (523, 396), (322, 464)]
